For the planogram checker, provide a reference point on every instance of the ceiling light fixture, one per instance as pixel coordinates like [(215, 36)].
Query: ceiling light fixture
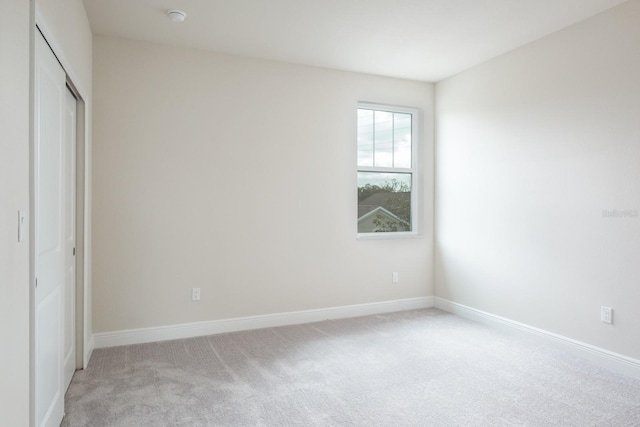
[(176, 15)]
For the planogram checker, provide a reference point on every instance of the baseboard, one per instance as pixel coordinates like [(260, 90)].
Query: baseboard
[(599, 356), (88, 351), (188, 330)]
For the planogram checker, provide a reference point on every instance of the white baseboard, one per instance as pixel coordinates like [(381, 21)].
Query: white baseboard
[(188, 330), (599, 356), (88, 351)]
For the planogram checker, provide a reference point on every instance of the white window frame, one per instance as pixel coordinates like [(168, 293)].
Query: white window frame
[(414, 170)]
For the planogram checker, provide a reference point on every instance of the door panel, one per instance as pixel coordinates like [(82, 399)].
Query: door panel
[(69, 240), (50, 103), (48, 390)]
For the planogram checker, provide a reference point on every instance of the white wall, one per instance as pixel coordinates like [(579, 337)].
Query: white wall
[(66, 26), (237, 176), (531, 148), (14, 195)]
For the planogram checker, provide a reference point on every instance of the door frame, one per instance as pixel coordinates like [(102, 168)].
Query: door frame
[(84, 342)]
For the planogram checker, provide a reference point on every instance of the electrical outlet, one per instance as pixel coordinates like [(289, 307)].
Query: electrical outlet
[(195, 294), (395, 277), (606, 314)]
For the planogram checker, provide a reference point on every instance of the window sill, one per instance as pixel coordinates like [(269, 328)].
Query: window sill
[(388, 235)]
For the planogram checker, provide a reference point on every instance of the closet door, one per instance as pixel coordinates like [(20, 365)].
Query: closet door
[(70, 238), (49, 214)]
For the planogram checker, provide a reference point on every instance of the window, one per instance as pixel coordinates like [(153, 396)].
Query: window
[(387, 170)]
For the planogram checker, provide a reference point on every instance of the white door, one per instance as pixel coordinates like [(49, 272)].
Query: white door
[(49, 213), (70, 239)]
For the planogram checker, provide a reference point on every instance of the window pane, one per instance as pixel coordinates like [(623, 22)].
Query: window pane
[(401, 140), (365, 137), (384, 202), (383, 139)]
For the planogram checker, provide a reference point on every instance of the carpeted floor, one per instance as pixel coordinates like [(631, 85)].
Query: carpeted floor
[(412, 368)]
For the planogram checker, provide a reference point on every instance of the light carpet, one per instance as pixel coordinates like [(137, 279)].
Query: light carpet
[(412, 368)]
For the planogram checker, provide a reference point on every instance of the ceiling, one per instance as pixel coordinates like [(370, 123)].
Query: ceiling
[(425, 40)]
